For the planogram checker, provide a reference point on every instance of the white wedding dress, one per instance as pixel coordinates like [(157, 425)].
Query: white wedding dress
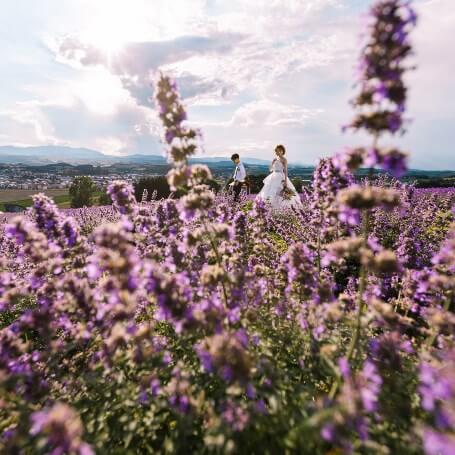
[(273, 185)]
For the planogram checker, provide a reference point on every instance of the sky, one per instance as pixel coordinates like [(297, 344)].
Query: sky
[(252, 73)]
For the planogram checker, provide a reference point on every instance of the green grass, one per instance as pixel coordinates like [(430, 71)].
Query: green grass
[(63, 201), (278, 242)]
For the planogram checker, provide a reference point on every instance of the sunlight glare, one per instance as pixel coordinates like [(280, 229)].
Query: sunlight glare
[(113, 24)]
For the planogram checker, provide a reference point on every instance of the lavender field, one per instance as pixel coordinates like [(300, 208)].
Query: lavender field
[(204, 325)]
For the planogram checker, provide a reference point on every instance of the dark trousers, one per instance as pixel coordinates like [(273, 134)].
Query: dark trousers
[(237, 189)]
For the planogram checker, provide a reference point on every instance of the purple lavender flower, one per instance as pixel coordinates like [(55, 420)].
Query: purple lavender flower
[(382, 96), (62, 430), (438, 443), (181, 141), (226, 354), (235, 415), (437, 389), (122, 195)]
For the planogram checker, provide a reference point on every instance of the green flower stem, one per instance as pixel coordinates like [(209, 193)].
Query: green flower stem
[(360, 306), (432, 338), (362, 286), (218, 260)]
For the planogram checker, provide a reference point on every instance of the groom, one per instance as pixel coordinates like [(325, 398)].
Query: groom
[(239, 176)]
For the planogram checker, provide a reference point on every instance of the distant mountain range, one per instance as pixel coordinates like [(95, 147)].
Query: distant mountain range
[(49, 154), (56, 153), (53, 154)]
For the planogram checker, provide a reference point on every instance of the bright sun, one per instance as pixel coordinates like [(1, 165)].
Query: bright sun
[(113, 23), (109, 26)]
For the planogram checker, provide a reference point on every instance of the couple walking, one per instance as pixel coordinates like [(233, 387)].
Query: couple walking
[(278, 190)]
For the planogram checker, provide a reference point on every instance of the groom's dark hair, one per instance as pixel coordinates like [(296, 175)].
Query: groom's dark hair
[(235, 156)]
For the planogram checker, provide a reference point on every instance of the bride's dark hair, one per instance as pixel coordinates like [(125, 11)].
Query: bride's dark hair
[(280, 147)]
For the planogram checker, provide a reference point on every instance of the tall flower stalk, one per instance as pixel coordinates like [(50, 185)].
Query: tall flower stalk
[(380, 106), (181, 143)]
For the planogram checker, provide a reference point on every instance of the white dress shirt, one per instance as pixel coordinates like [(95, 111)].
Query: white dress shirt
[(240, 173)]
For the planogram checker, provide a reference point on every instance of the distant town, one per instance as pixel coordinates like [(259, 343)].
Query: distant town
[(60, 175), (22, 177)]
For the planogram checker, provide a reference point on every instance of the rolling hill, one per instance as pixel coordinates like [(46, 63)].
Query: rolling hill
[(55, 153)]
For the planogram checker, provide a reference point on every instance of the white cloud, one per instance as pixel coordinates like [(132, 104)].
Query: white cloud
[(126, 129), (135, 64), (266, 113), (24, 127)]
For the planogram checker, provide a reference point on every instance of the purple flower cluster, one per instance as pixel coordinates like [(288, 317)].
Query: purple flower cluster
[(382, 98), (437, 392), (381, 102), (357, 402), (61, 429)]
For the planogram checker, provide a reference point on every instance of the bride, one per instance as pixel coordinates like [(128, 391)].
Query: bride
[(278, 189)]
